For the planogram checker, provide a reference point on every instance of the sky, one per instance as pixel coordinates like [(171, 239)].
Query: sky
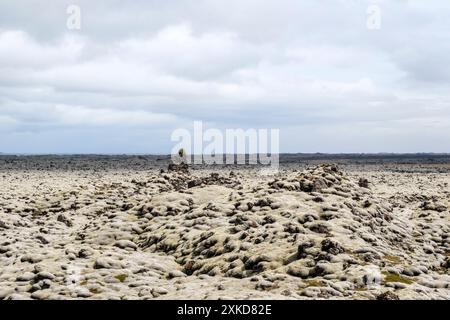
[(333, 76)]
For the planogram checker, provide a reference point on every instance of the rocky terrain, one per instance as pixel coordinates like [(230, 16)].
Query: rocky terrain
[(129, 228)]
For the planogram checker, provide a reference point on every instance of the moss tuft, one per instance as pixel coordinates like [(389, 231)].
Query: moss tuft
[(121, 277), (392, 277), (95, 290), (393, 259), (314, 283)]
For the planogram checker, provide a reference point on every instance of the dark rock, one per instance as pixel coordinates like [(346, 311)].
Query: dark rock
[(319, 227), (3, 225), (85, 253), (306, 186), (332, 247), (302, 247), (62, 218), (363, 183), (182, 167), (433, 206), (367, 204), (319, 184), (42, 239), (194, 183), (446, 263), (388, 295)]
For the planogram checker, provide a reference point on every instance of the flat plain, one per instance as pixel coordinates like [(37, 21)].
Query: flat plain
[(126, 227)]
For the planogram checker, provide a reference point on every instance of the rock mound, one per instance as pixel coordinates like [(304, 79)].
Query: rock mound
[(319, 223)]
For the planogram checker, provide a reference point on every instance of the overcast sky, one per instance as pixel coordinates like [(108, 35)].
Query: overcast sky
[(137, 70)]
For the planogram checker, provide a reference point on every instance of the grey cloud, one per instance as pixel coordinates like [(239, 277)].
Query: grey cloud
[(144, 68)]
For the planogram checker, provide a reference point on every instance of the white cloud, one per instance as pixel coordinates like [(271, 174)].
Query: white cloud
[(285, 64), (19, 50), (82, 116)]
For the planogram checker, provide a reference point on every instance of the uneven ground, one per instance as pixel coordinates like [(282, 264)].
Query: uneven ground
[(120, 228)]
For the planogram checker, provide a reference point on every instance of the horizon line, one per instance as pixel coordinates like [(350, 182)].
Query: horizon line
[(218, 154)]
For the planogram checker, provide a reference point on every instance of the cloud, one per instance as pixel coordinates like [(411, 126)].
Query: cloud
[(19, 50), (295, 65), (79, 116), (74, 116)]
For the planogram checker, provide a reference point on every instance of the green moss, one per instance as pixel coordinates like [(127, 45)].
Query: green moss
[(314, 283), (361, 289), (361, 261), (95, 290), (121, 277), (393, 259), (392, 277)]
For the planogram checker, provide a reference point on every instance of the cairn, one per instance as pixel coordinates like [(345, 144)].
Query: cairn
[(180, 164)]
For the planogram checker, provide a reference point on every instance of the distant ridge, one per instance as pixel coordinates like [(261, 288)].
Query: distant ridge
[(317, 155), (286, 154)]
